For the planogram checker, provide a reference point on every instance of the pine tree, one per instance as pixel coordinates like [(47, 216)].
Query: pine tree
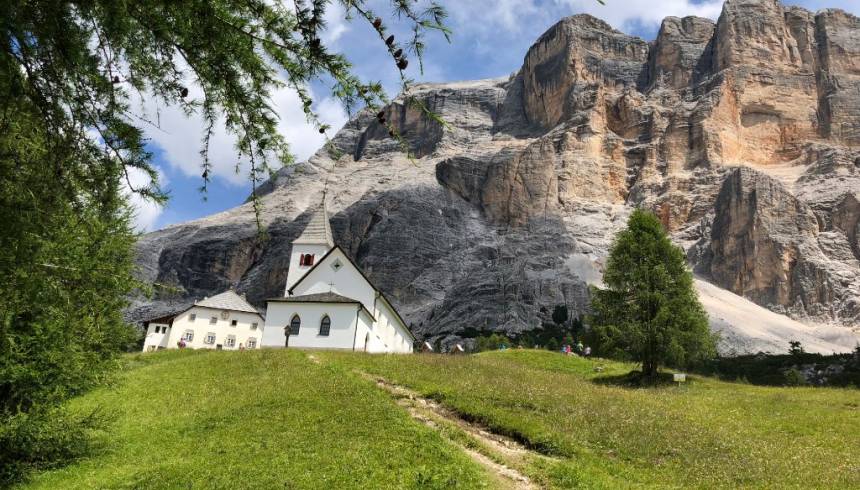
[(649, 311)]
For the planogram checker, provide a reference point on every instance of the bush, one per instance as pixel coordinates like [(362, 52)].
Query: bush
[(40, 440), (794, 377), (491, 342)]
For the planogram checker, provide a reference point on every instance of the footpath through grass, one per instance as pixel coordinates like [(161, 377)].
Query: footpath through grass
[(705, 434), (257, 419)]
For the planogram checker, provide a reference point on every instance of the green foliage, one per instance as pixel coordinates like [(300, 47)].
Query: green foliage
[(559, 314), (770, 369), (66, 263), (794, 377), (80, 62), (492, 342), (44, 439), (795, 348), (649, 311)]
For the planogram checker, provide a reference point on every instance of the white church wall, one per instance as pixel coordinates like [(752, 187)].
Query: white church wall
[(401, 340), (388, 333), (342, 333), (197, 320), (296, 270), (345, 281)]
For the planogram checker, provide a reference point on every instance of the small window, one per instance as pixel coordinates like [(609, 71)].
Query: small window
[(192, 317), (336, 265), (210, 338), (231, 341), (233, 323), (252, 343), (213, 320), (306, 259), (295, 324), (254, 326), (157, 329), (189, 336), (325, 326)]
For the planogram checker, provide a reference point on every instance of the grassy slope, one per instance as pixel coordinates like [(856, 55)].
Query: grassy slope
[(274, 419), (706, 434), (262, 419)]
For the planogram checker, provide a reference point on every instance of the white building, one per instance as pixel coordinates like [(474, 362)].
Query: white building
[(224, 321), (329, 303)]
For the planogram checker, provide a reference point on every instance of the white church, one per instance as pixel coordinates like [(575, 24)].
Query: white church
[(328, 303)]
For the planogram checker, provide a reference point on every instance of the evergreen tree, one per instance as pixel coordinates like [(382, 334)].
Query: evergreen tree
[(560, 315), (649, 311), (66, 263)]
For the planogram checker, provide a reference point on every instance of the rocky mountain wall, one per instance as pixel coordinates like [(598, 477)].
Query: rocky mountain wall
[(742, 135)]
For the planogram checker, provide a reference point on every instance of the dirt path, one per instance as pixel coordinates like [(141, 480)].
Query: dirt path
[(497, 453)]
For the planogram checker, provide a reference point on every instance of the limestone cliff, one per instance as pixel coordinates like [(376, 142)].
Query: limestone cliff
[(743, 136)]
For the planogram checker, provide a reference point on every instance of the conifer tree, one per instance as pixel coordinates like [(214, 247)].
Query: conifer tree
[(649, 311)]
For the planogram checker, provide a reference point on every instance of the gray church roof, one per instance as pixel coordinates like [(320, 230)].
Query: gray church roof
[(318, 229), (317, 298), (321, 298), (228, 300)]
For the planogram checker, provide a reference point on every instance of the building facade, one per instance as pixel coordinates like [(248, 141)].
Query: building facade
[(329, 303), (224, 321)]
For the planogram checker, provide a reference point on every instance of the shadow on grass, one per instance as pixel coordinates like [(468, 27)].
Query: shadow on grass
[(635, 379)]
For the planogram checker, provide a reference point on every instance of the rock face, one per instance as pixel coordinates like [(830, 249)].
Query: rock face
[(743, 136)]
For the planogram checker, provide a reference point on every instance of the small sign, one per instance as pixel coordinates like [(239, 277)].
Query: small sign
[(679, 377)]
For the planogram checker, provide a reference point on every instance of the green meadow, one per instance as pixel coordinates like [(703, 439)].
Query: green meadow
[(276, 418)]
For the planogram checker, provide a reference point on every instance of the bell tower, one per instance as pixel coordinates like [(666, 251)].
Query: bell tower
[(314, 242)]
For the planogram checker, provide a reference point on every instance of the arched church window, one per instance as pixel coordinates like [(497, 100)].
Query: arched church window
[(295, 324), (325, 326)]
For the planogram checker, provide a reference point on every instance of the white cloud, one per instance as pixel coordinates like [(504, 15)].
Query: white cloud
[(304, 139), (181, 137), (336, 25), (146, 212), (623, 15), (485, 18)]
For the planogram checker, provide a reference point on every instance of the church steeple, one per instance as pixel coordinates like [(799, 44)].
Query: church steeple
[(313, 243), (318, 229)]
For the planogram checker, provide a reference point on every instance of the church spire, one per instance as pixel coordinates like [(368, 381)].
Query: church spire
[(318, 229)]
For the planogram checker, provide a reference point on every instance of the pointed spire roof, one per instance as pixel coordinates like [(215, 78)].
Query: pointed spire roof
[(318, 229)]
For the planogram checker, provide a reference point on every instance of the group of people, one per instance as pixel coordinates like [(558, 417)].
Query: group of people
[(577, 349)]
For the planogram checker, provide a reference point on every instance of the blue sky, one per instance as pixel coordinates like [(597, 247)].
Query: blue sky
[(490, 39)]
